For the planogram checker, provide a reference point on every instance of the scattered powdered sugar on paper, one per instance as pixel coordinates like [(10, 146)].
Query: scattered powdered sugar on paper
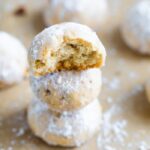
[(114, 84), (115, 125), (20, 132), (17, 132), (109, 100), (112, 130), (132, 75), (135, 90)]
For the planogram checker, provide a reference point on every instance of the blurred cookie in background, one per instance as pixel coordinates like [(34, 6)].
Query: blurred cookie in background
[(13, 60), (10, 5), (147, 89), (19, 7), (135, 28), (92, 13)]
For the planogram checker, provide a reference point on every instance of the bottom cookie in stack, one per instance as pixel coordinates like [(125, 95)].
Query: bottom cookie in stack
[(66, 128)]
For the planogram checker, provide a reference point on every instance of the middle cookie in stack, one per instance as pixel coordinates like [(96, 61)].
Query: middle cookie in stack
[(68, 90), (64, 65)]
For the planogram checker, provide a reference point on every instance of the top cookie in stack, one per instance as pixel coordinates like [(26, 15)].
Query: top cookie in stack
[(66, 46)]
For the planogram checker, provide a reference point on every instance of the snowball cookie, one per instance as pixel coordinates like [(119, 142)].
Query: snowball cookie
[(66, 46), (13, 60), (136, 27), (147, 89), (66, 128), (68, 90), (9, 6), (90, 12)]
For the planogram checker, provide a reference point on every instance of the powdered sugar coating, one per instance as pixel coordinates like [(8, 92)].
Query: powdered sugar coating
[(76, 11), (53, 37), (66, 128), (136, 27), (13, 59), (68, 90)]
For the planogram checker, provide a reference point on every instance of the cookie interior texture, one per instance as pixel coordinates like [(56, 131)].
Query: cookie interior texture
[(73, 54)]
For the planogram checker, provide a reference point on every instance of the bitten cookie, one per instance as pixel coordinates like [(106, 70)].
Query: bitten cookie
[(135, 28), (13, 60), (90, 12), (66, 128), (66, 46), (68, 90)]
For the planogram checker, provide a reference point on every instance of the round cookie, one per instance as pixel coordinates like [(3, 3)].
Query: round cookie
[(9, 6), (90, 12), (147, 89), (65, 46), (13, 60), (136, 27), (66, 128), (20, 6), (68, 90)]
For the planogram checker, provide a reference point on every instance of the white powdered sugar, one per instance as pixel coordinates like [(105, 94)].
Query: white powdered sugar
[(68, 81)]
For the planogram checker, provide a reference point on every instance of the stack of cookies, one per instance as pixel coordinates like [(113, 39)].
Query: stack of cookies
[(66, 80)]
